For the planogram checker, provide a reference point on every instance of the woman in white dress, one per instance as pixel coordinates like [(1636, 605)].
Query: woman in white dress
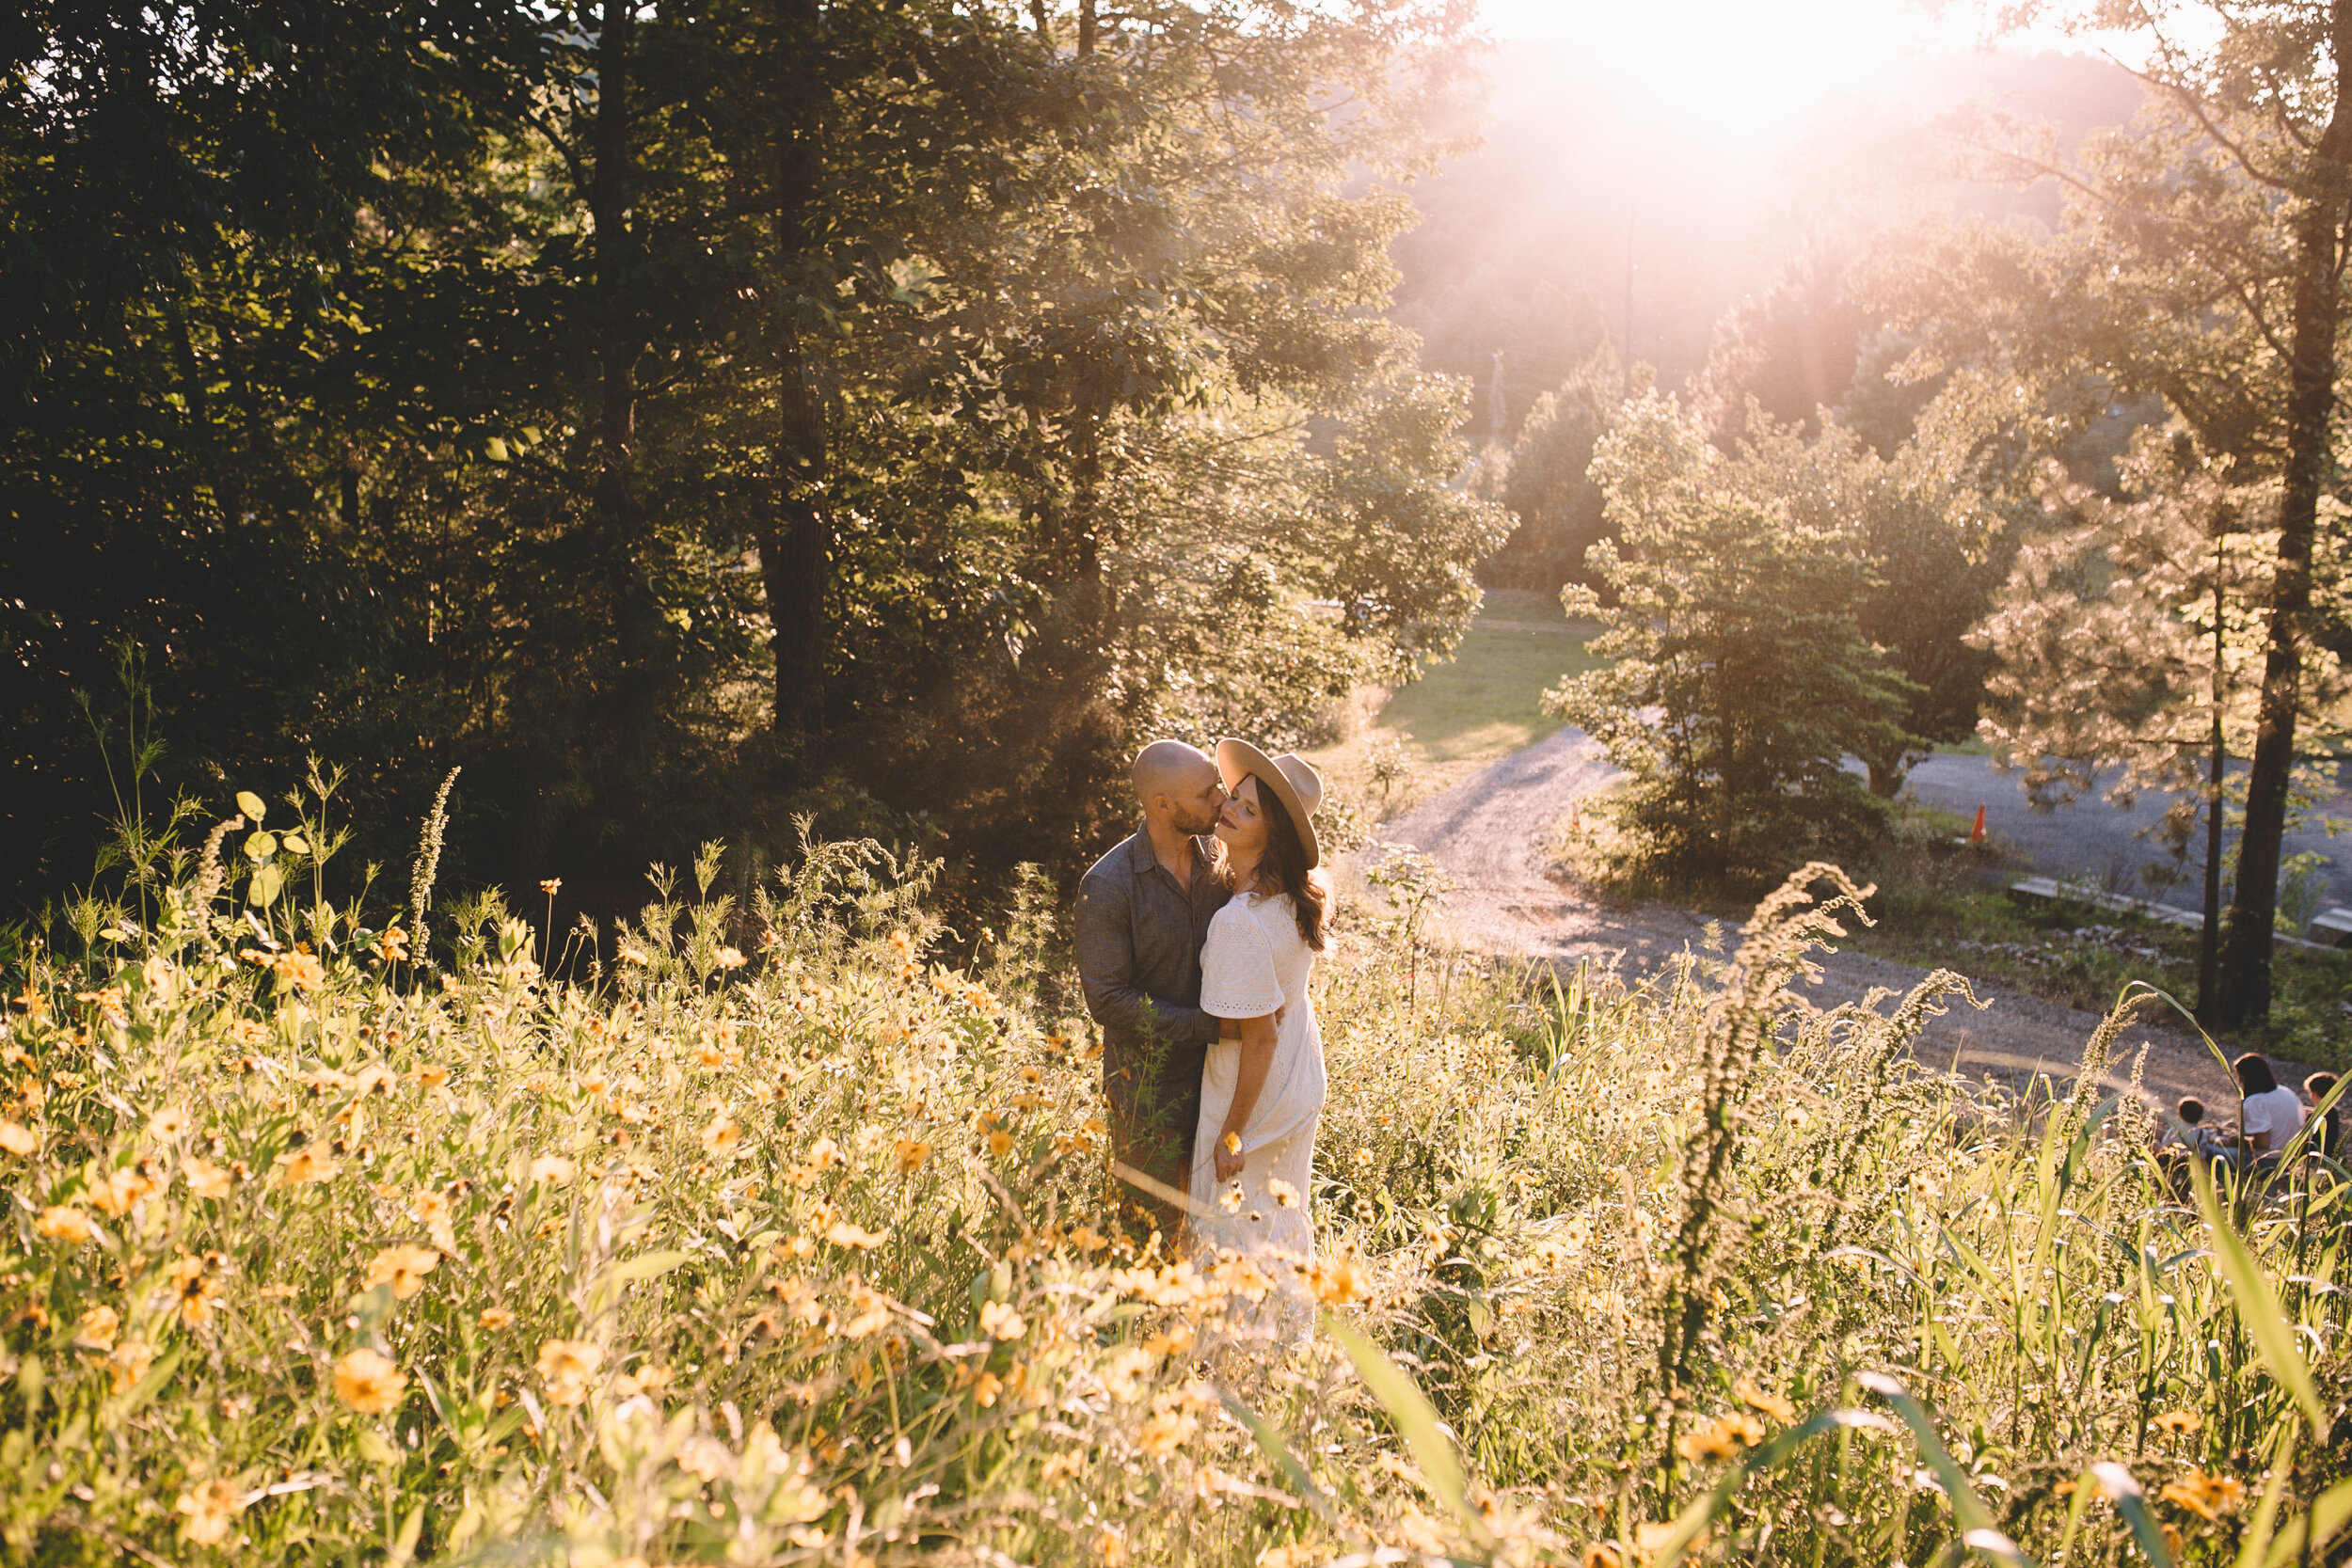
[(1261, 1087)]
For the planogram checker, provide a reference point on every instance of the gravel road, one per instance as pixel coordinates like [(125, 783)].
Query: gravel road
[(2093, 836), (1490, 833)]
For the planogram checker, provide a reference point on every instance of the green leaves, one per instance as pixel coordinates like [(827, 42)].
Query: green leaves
[(1416, 1420), (252, 805), (2257, 1305)]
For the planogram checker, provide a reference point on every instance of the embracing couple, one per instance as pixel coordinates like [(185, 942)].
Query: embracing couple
[(1196, 939)]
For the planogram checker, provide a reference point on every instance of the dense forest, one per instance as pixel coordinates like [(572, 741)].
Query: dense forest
[(686, 419)]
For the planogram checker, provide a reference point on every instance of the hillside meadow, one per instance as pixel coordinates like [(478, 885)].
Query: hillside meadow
[(782, 1241)]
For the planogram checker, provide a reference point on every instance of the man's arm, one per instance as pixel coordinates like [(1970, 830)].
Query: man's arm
[(1106, 968)]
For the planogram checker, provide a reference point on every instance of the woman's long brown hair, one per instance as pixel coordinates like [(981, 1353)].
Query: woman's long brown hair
[(1283, 868)]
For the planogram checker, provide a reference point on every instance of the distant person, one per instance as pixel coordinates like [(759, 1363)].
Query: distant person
[(1143, 915), (2187, 1133), (2270, 1114), (2328, 1137)]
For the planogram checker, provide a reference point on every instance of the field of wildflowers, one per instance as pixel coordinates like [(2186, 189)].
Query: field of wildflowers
[(779, 1240)]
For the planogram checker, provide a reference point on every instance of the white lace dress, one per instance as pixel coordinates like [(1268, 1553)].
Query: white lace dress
[(1253, 963)]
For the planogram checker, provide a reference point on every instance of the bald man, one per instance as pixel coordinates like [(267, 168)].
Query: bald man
[(1143, 913)]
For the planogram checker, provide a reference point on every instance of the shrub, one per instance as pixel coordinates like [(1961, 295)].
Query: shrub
[(1736, 681)]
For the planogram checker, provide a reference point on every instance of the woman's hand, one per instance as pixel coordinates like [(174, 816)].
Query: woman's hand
[(1229, 1156)]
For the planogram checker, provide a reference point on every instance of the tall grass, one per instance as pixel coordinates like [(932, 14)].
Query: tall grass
[(796, 1247)]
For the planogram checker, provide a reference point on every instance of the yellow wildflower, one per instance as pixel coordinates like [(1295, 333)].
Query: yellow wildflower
[(97, 1329), (495, 1317), (194, 1292), (2179, 1423), (369, 1382), (721, 1136), (167, 1124), (1337, 1281), (1650, 1538), (403, 1267), (2207, 1495), (429, 1075), (552, 886), (129, 1363), (18, 1140), (1000, 1321), (565, 1366), (212, 1513), (912, 1153), (33, 1002), (433, 1212), (842, 1233), (729, 958), (298, 1167), (1756, 1399), (1723, 1440), (1165, 1430), (391, 944), (114, 1193), (206, 1179), (552, 1167), (62, 1222), (298, 969), (869, 1312), (1175, 1339)]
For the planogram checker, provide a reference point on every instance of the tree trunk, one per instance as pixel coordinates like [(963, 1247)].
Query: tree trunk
[(796, 540), (2243, 988), (2209, 939), (619, 344)]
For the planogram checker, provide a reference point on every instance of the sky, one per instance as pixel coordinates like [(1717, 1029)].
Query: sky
[(1754, 70)]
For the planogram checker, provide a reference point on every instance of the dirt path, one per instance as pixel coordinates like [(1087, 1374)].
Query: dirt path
[(1490, 833)]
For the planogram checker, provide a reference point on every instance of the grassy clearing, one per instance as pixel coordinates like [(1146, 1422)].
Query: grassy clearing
[(320, 1256), (1485, 704)]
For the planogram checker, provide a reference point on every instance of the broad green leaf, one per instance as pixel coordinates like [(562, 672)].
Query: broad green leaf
[(265, 887), (375, 1449), (2259, 1531), (646, 1266), (497, 449), (2304, 1540), (260, 847), (296, 843), (1415, 1419), (1270, 1442), (2257, 1306), (405, 1547), (1979, 1532), (2123, 1490), (252, 805)]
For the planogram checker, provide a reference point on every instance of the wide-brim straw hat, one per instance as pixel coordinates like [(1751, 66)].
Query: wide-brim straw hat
[(1298, 787)]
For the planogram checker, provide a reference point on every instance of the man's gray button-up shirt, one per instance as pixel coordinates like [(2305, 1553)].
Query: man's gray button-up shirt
[(1139, 934)]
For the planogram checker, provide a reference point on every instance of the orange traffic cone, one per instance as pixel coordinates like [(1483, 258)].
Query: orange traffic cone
[(1975, 835)]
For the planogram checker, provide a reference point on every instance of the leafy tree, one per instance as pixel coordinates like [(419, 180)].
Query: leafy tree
[(1739, 680), (1546, 484), (2130, 644), (1935, 549), (683, 416), (2200, 260), (1791, 351)]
